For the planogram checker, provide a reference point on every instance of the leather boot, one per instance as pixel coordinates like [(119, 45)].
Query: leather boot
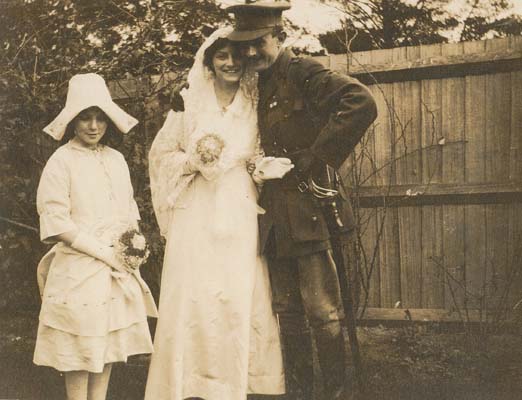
[(298, 364), (332, 359)]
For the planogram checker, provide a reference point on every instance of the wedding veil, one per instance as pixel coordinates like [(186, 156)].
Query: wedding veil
[(168, 153)]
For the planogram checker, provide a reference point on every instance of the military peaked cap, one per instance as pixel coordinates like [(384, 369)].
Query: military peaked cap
[(256, 18)]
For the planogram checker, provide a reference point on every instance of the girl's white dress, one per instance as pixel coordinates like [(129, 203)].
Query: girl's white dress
[(90, 315), (217, 337)]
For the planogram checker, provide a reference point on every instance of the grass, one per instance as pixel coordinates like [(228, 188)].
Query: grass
[(400, 364)]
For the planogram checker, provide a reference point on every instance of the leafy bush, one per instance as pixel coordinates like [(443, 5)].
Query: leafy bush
[(43, 44)]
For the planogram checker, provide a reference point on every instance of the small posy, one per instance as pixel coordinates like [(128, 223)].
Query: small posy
[(131, 249), (209, 148)]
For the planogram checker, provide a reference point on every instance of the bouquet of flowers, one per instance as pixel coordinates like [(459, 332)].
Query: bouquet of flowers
[(208, 157), (131, 249), (209, 148)]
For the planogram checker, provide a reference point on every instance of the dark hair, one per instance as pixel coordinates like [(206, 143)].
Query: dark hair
[(279, 32), (213, 49), (113, 136)]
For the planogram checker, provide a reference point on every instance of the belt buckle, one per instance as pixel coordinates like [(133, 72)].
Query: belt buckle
[(303, 186)]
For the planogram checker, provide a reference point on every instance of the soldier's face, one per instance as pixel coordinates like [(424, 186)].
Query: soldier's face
[(262, 52), (228, 64)]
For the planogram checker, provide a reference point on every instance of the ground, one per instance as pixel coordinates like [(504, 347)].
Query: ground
[(401, 364)]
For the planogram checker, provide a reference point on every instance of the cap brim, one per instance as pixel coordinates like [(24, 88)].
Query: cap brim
[(244, 36), (264, 7)]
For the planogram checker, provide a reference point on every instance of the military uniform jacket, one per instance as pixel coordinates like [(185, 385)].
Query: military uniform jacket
[(314, 117)]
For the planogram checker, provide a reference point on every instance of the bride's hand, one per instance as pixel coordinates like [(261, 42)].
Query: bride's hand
[(271, 168), (190, 167), (194, 165)]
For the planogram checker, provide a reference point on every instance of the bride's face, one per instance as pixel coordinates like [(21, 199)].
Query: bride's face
[(228, 64)]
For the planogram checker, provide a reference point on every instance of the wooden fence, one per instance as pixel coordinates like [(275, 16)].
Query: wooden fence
[(440, 174)]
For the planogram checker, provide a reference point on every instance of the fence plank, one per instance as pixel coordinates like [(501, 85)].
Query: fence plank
[(384, 135), (451, 268), (454, 255), (338, 63), (475, 219), (474, 215), (432, 277), (431, 99), (370, 260), (453, 49), (515, 42), (431, 240), (452, 129), (496, 265), (389, 259), (497, 44), (515, 158), (407, 96), (410, 235), (475, 128), (408, 141), (375, 170), (514, 256), (438, 61), (498, 124), (497, 151)]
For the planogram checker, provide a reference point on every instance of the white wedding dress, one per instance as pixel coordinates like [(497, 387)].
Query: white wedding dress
[(217, 337)]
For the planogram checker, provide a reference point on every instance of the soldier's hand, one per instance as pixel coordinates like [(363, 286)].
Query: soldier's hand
[(271, 168), (304, 161)]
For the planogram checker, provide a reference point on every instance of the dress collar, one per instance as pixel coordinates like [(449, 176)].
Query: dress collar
[(236, 108), (73, 144)]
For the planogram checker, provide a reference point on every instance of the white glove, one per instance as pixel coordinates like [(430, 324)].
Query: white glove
[(91, 246), (189, 167), (271, 168), (194, 165)]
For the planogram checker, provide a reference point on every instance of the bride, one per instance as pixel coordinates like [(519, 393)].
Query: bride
[(217, 337)]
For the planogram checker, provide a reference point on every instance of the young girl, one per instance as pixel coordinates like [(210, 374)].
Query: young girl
[(94, 306)]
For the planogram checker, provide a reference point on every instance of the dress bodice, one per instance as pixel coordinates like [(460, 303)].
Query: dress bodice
[(85, 189), (236, 124)]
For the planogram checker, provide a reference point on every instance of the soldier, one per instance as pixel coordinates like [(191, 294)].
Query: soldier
[(314, 117)]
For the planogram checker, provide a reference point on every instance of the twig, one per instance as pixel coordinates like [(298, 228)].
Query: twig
[(19, 224)]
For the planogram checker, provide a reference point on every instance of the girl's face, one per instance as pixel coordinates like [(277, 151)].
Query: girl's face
[(228, 64), (90, 126)]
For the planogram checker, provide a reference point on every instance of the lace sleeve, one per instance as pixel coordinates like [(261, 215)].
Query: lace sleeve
[(167, 161)]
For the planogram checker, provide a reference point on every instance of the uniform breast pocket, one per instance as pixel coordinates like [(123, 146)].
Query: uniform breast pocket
[(305, 218), (274, 112)]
